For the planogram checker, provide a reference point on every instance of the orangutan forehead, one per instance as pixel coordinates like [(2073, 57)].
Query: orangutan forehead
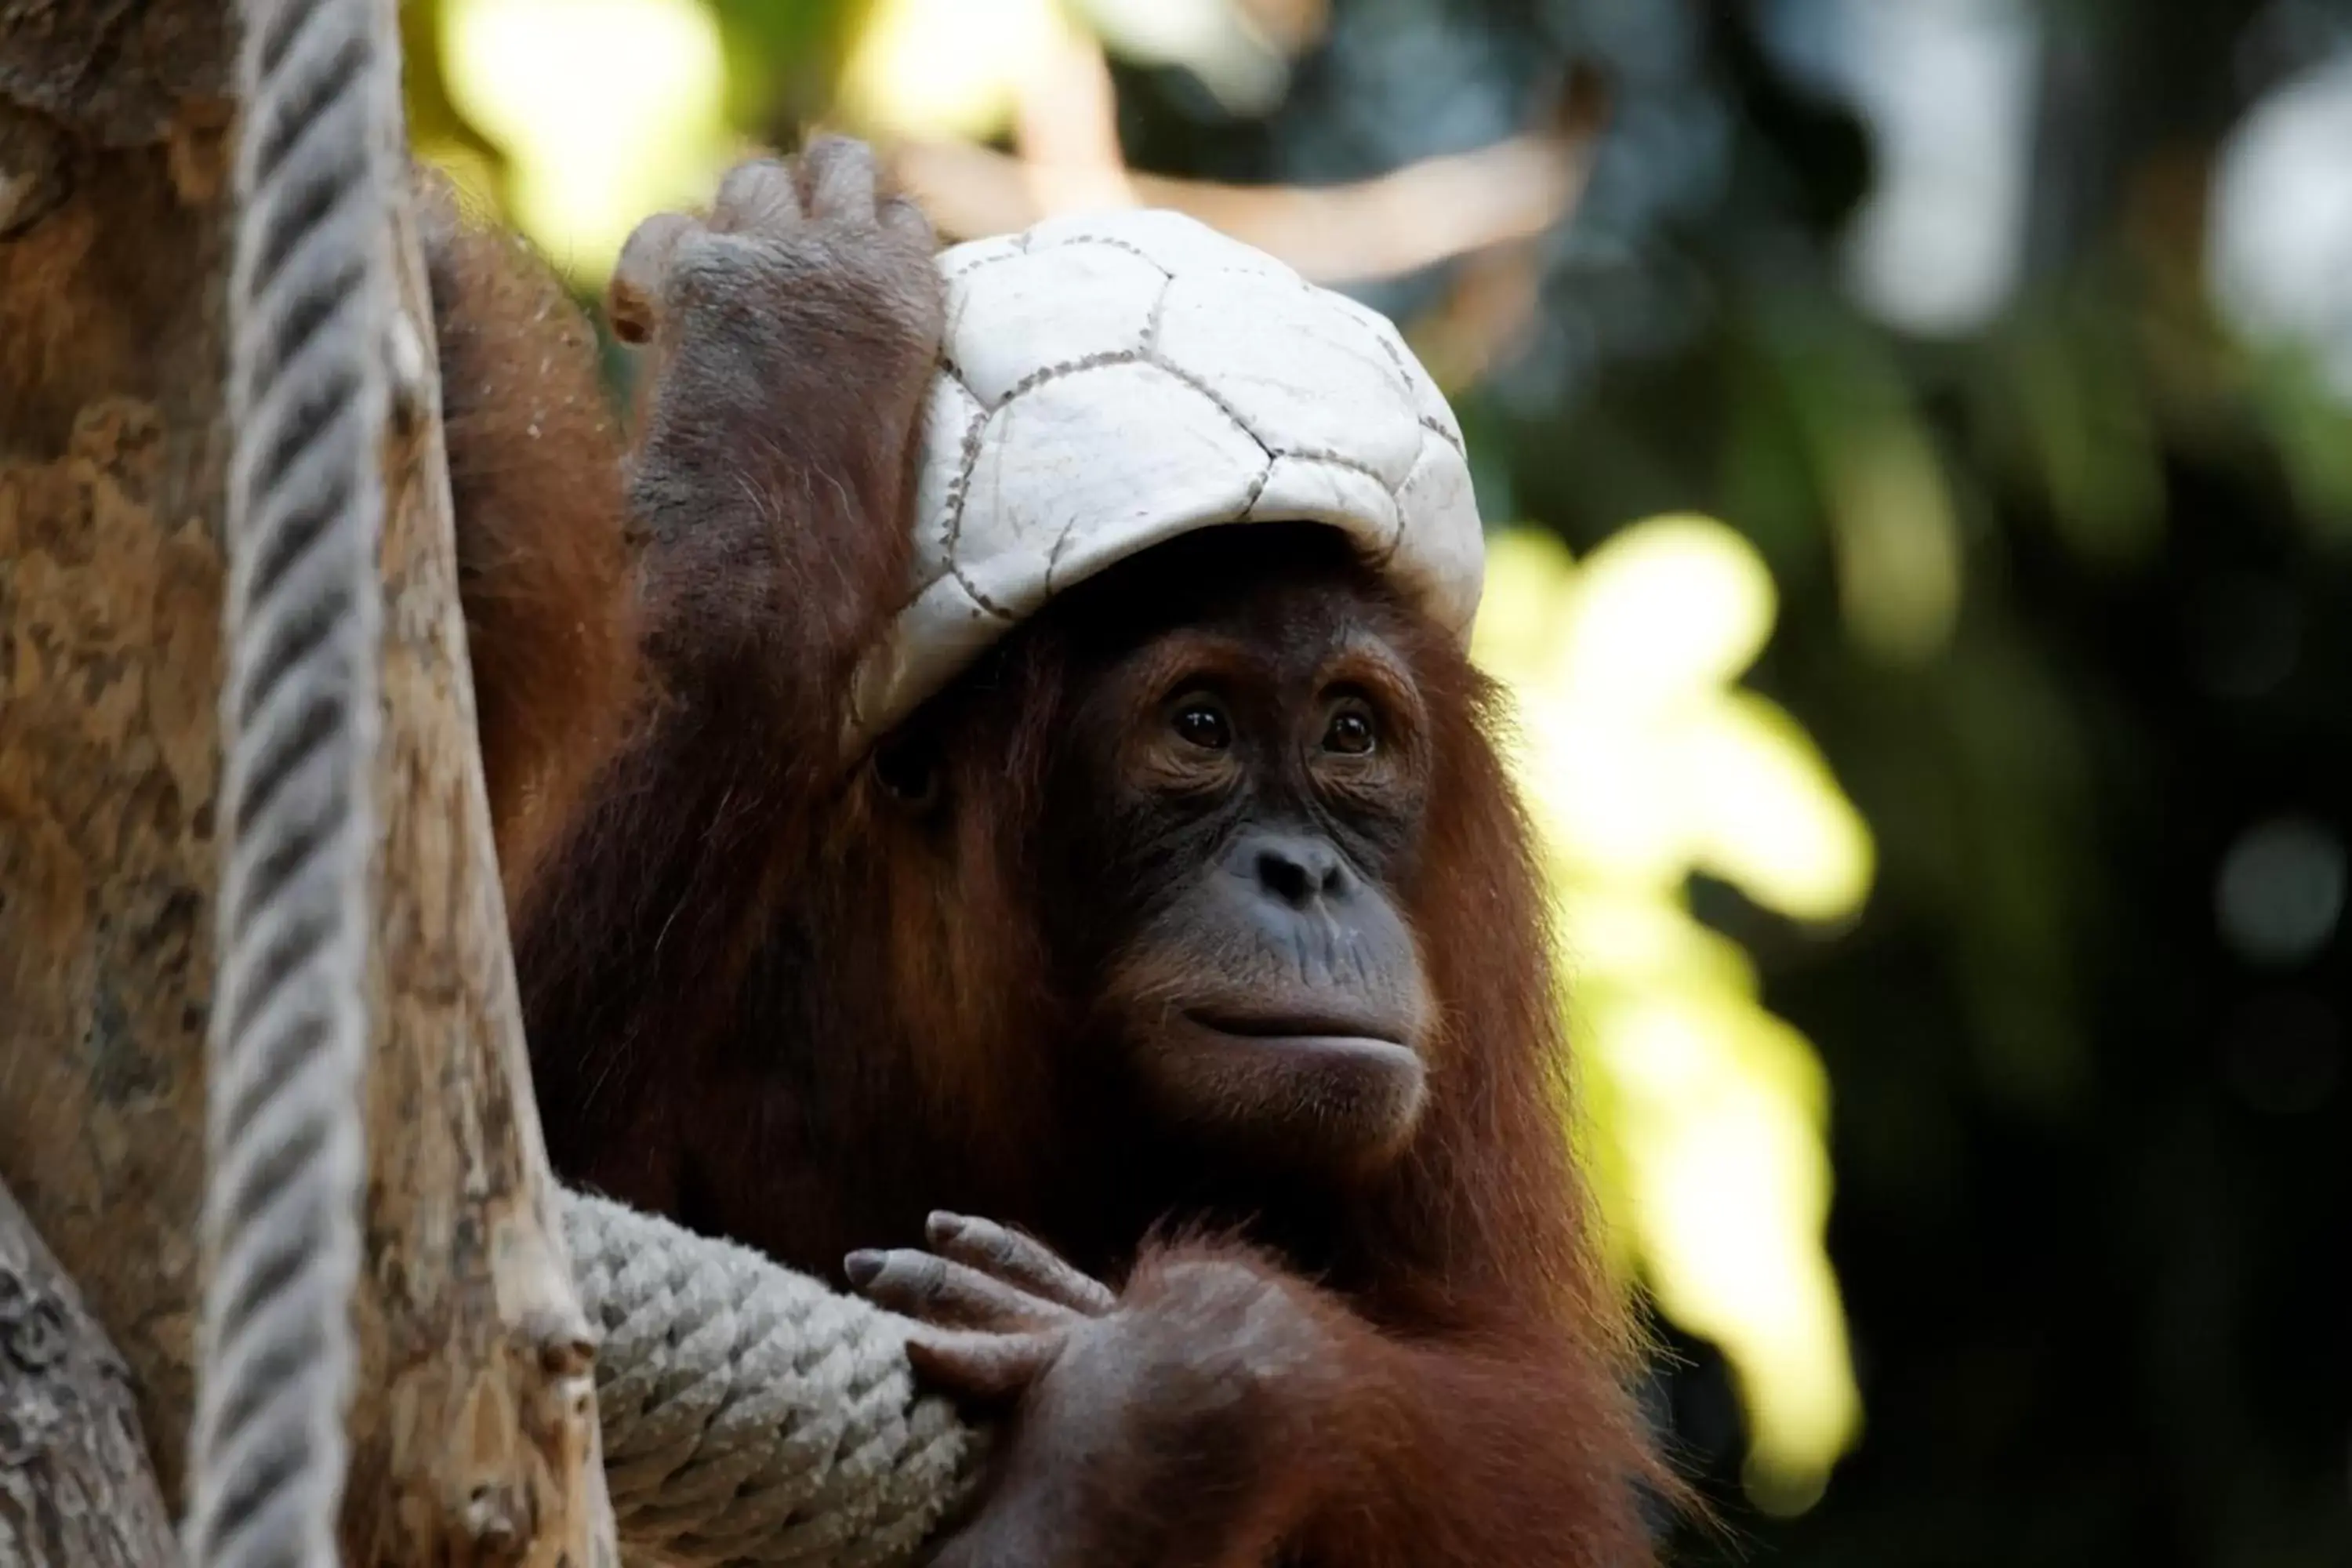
[(1270, 633)]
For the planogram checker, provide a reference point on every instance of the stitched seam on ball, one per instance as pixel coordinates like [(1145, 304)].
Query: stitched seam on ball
[(1395, 545), (1257, 488), (1388, 346), (1335, 460), (1023, 250), (968, 455), (1389, 349), (1110, 242), (968, 268), (959, 491), (1150, 344), (984, 263), (1043, 373), (1341, 460), (982, 600), (951, 542), (1217, 398), (1053, 556)]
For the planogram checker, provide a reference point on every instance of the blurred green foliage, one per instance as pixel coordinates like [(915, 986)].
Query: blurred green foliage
[(2058, 526)]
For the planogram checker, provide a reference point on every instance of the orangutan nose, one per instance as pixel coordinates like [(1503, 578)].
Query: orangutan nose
[(1297, 871)]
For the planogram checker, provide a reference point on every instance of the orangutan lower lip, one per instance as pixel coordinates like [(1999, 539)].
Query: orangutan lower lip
[(1299, 1027)]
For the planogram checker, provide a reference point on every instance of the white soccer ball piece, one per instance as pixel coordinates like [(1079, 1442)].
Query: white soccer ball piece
[(1112, 381)]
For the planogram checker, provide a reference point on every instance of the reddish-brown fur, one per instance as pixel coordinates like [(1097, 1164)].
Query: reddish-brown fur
[(535, 473), (766, 999)]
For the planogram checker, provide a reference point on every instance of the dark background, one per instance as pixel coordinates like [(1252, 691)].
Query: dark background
[(2089, 1123)]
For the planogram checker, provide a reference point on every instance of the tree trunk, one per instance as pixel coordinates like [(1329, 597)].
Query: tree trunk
[(473, 1426), (75, 1483)]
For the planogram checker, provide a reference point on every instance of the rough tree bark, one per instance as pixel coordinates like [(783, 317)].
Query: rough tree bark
[(74, 1484), (474, 1434)]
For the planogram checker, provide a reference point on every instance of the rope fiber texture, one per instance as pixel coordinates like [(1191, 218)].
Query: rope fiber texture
[(751, 1415), (310, 301)]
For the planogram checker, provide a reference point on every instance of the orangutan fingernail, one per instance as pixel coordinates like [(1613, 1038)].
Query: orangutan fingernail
[(862, 1267)]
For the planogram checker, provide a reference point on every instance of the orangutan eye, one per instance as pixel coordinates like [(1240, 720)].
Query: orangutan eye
[(1351, 731), (1203, 724)]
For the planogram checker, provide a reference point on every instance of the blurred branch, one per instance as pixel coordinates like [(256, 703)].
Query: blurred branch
[(1065, 124), (1289, 25), (1417, 216), (1487, 308), (1412, 217)]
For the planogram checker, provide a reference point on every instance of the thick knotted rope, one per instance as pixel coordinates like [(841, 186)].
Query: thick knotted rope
[(749, 1415), (309, 299)]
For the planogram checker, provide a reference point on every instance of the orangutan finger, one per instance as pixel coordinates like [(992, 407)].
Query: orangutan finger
[(1017, 1259), (935, 1290), (758, 197)]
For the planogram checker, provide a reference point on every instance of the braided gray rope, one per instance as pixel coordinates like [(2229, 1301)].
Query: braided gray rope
[(749, 1415), (309, 299)]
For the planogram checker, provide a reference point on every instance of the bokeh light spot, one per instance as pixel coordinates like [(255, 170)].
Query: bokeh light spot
[(942, 69), (2280, 892), (608, 110)]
